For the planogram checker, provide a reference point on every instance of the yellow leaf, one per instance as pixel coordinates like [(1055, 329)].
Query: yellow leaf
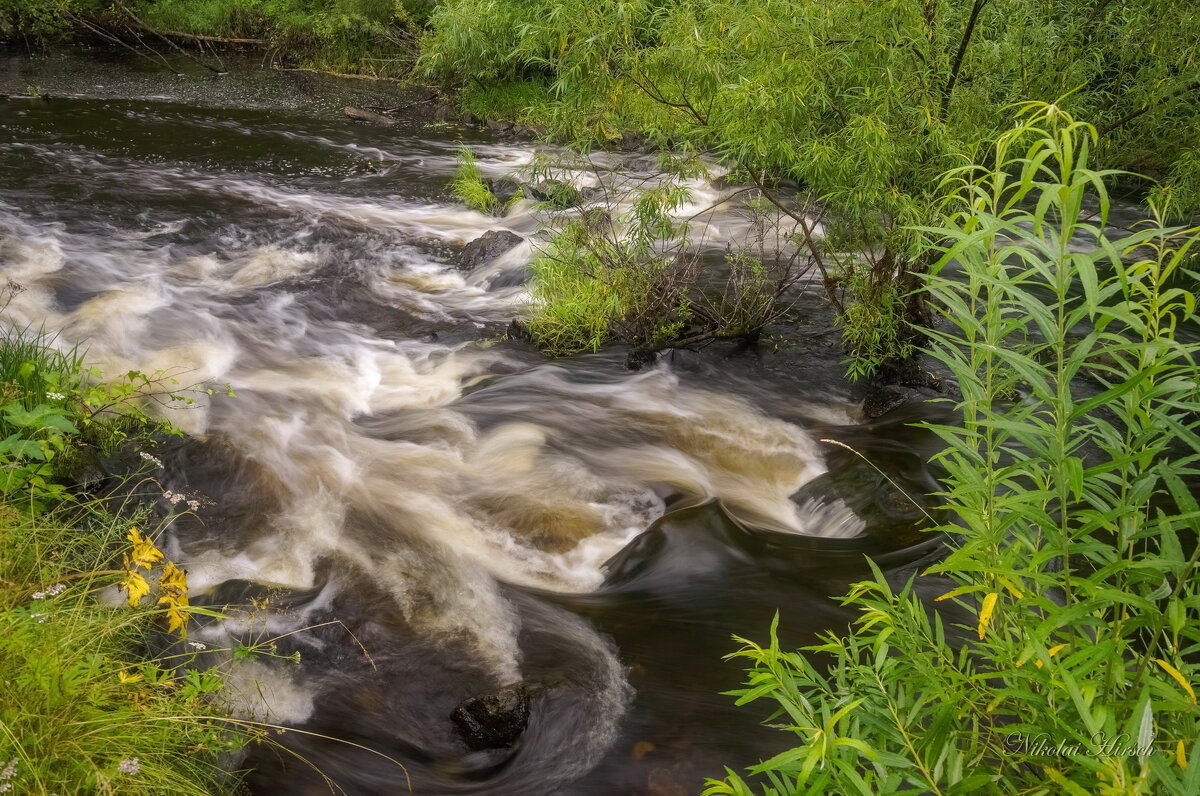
[(1180, 755), (145, 554), (136, 586), (956, 592), (1057, 648), (1179, 678), (1012, 588), (129, 678), (174, 579), (174, 585), (177, 616), (985, 614)]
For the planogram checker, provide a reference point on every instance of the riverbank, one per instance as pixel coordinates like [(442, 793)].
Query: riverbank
[(97, 695)]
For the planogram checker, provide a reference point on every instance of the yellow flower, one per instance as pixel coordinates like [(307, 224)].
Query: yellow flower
[(136, 586), (130, 678), (1180, 755)]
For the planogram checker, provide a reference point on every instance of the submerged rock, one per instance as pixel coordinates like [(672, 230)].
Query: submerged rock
[(493, 721), (882, 400), (489, 246)]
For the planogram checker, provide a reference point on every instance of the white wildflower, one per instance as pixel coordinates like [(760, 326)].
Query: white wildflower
[(6, 787), (194, 505), (55, 396), (53, 591), (40, 617), (10, 770), (198, 645), (151, 458), (130, 766)]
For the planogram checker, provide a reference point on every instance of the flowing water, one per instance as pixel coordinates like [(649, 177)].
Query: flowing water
[(422, 509)]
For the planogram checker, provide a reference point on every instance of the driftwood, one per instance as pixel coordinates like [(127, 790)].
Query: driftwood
[(369, 116)]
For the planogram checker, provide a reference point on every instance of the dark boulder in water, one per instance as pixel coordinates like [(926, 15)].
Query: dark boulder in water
[(494, 720), (489, 246), (505, 188), (882, 400)]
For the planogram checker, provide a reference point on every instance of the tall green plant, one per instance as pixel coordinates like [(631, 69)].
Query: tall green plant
[(1074, 553)]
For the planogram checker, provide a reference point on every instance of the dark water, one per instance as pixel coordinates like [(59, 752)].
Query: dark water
[(422, 509)]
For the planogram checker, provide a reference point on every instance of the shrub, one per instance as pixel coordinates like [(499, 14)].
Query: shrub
[(1074, 552)]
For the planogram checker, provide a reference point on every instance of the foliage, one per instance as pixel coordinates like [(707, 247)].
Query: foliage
[(80, 712), (521, 101), (83, 708), (864, 105), (578, 298), (470, 187), (371, 37), (1076, 554), (873, 325), (625, 269)]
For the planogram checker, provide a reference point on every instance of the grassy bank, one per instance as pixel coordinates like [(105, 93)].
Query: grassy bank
[(365, 37), (100, 692)]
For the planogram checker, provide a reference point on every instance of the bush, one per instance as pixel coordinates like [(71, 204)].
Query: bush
[(1074, 550), (862, 105), (636, 276)]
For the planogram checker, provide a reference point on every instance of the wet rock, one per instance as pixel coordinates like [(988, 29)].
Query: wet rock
[(504, 188), (488, 247), (498, 126), (493, 721), (556, 193), (512, 277), (881, 400)]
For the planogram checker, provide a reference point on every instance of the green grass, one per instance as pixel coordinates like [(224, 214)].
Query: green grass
[(574, 305), (521, 101), (469, 186), (76, 696), (84, 707)]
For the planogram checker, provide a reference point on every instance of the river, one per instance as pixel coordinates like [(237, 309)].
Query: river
[(422, 508)]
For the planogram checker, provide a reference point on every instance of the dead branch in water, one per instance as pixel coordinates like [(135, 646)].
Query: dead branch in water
[(369, 116)]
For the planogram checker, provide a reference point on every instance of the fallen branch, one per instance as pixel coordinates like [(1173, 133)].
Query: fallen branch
[(142, 25), (118, 40), (175, 34), (334, 74), (369, 116)]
